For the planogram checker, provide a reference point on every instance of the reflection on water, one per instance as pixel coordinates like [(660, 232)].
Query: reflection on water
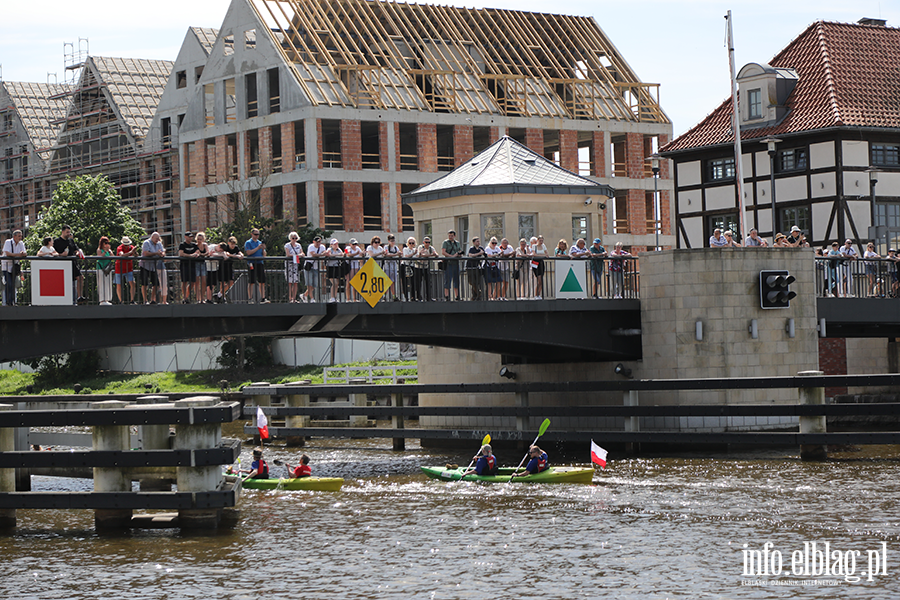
[(647, 528)]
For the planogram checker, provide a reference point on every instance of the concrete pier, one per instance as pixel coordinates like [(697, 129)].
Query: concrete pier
[(813, 424), (198, 479), (7, 476), (155, 437), (111, 479), (297, 421)]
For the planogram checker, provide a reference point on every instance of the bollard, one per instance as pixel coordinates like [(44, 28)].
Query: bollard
[(155, 437), (198, 479), (399, 443), (297, 420), (812, 424), (111, 479), (632, 424), (358, 400), (7, 476)]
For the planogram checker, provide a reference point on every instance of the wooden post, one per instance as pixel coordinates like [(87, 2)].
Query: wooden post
[(297, 420), (111, 479), (7, 476), (812, 424), (198, 479), (632, 424), (399, 443), (154, 437)]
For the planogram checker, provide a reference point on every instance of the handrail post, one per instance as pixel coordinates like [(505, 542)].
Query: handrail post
[(198, 479), (632, 424), (297, 421), (812, 424), (111, 479), (7, 476)]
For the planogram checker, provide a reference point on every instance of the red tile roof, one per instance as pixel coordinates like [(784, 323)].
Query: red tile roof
[(848, 76)]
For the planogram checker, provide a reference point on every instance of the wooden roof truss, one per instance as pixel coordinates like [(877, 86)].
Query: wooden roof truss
[(371, 53)]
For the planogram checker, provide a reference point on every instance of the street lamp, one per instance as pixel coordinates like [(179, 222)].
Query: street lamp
[(770, 142), (873, 181), (654, 165)]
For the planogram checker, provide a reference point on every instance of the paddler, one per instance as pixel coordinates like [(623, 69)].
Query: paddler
[(486, 462), (539, 462), (259, 469), (301, 470)]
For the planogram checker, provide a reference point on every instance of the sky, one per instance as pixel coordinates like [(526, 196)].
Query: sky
[(679, 44)]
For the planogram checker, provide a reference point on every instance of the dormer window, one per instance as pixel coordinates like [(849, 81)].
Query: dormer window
[(754, 100)]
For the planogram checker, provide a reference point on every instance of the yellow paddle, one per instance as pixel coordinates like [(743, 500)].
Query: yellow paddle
[(486, 440), (541, 432)]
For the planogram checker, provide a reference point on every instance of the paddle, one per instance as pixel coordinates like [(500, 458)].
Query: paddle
[(541, 432), (486, 440)]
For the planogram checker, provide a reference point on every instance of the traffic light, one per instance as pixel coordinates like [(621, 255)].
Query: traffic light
[(774, 289)]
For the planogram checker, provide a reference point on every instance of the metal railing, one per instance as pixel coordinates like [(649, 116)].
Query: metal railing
[(327, 279), (841, 277), (384, 373)]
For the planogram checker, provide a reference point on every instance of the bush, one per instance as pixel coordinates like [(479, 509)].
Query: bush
[(257, 352), (64, 368)]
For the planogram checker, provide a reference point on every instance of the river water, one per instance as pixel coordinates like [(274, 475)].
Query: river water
[(661, 527)]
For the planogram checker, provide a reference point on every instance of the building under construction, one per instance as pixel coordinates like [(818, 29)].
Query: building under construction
[(325, 112)]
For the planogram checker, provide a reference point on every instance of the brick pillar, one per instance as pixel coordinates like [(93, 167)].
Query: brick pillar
[(266, 202), (386, 209), (384, 153), (289, 202), (426, 134), (351, 145), (321, 185), (243, 141), (221, 159), (265, 151), (287, 149), (598, 154), (634, 155), (637, 212), (396, 148), (568, 150), (494, 134), (353, 206), (200, 162), (202, 213), (224, 210), (463, 144), (321, 163), (534, 139)]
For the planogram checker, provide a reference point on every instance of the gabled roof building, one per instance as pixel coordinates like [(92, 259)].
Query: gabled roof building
[(820, 119)]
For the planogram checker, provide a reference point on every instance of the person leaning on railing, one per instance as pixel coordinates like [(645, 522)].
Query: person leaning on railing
[(408, 286), (105, 266), (425, 253), (451, 249), (617, 270), (312, 270), (872, 270), (474, 269), (392, 256), (293, 252), (13, 248), (538, 254)]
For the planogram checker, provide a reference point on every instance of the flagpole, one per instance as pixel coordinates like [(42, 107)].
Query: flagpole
[(736, 130)]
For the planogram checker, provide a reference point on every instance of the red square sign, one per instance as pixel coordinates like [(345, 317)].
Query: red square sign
[(53, 282)]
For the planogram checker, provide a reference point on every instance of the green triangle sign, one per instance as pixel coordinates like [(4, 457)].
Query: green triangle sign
[(571, 283)]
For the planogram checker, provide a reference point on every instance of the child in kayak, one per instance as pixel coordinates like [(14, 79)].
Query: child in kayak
[(487, 462), (301, 470), (539, 462)]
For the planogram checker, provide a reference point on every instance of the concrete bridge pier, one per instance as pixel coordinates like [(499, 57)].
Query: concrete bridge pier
[(111, 479), (198, 479), (298, 420), (358, 400), (155, 437), (7, 476), (812, 424)]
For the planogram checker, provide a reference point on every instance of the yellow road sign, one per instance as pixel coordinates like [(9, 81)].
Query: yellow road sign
[(371, 282)]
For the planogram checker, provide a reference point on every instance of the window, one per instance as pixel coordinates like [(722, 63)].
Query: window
[(794, 159), (426, 231), (491, 226), (886, 155), (887, 213), (210, 104), (797, 215), (274, 91), (724, 222), (230, 104), (526, 227), (720, 168), (250, 39), (250, 91), (462, 230), (181, 79), (228, 44), (580, 227), (754, 101)]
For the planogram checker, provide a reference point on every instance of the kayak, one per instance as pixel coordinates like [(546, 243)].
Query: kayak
[(316, 484), (551, 475)]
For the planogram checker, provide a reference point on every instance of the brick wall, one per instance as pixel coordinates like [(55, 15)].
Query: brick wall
[(244, 150), (353, 206), (568, 150), (202, 216), (396, 148), (267, 202), (386, 210), (463, 144), (598, 154), (384, 153), (221, 159), (426, 144), (637, 212), (833, 361), (634, 155), (351, 145), (287, 151), (321, 185), (289, 202), (494, 134), (534, 139), (319, 160)]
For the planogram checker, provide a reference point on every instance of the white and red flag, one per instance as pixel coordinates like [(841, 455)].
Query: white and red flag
[(262, 423), (598, 455)]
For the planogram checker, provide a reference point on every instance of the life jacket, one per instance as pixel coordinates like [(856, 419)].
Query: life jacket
[(491, 467), (262, 470), (543, 462)]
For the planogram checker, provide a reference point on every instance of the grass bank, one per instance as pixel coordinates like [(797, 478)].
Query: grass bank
[(15, 383)]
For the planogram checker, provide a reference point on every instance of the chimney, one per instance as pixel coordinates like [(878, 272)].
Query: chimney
[(873, 22)]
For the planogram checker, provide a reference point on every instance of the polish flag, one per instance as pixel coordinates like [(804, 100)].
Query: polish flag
[(297, 258), (598, 455), (262, 423)]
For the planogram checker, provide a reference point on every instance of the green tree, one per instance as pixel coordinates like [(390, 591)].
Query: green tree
[(92, 207)]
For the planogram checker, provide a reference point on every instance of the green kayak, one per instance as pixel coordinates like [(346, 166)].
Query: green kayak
[(551, 475), (316, 484)]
